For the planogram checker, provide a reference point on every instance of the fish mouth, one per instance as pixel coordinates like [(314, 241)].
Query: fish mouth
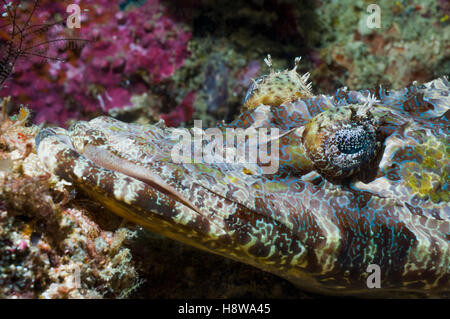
[(148, 201), (108, 160), (131, 191)]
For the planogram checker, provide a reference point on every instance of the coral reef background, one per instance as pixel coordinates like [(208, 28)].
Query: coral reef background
[(174, 61)]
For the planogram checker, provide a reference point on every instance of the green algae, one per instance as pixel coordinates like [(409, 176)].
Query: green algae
[(427, 178), (411, 44)]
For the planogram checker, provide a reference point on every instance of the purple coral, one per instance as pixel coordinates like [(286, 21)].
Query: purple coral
[(129, 51)]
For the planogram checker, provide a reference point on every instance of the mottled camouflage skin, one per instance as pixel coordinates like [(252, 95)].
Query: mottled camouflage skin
[(319, 234), (278, 87)]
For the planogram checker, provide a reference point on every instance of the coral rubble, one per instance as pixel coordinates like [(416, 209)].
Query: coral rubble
[(49, 249), (412, 43)]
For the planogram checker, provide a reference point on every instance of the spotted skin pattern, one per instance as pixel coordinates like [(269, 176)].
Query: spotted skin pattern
[(319, 233), (277, 88)]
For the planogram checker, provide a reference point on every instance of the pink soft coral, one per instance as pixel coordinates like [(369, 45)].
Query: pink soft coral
[(130, 51)]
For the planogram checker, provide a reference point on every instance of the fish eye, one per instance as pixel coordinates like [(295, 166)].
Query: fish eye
[(350, 147), (342, 143)]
